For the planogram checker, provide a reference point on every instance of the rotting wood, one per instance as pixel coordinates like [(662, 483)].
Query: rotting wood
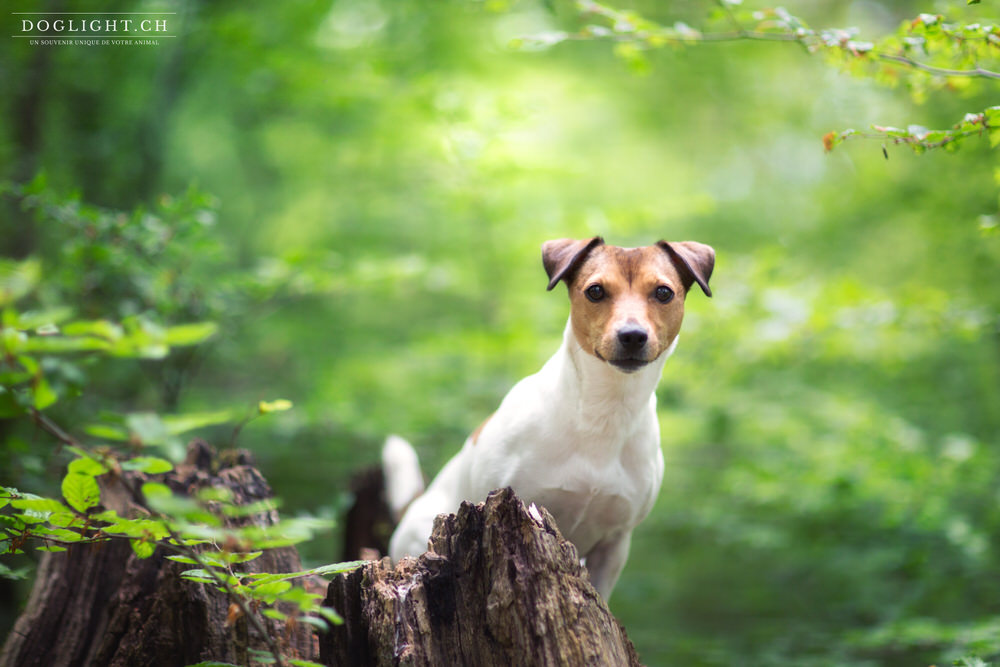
[(98, 604), (499, 586)]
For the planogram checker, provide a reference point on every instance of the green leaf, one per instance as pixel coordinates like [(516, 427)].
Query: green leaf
[(299, 662), (81, 491), (12, 341), (226, 558), (106, 431), (190, 334), (98, 328), (142, 548), (199, 575), (263, 657), (183, 559), (86, 465), (7, 573), (143, 528), (334, 568), (275, 614), (156, 490), (277, 405), (148, 464), (59, 534), (33, 319), (51, 547), (331, 615), (39, 504), (61, 344), (269, 592), (147, 426), (178, 424), (43, 394), (65, 519)]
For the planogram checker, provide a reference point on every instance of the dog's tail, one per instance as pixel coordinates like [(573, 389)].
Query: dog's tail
[(403, 479)]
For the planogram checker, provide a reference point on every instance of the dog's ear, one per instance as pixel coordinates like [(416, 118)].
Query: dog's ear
[(693, 260), (562, 256)]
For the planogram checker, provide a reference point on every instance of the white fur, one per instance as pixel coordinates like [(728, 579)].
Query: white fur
[(403, 479), (579, 438)]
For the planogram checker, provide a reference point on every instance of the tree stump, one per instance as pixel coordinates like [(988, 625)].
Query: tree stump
[(98, 604), (499, 587)]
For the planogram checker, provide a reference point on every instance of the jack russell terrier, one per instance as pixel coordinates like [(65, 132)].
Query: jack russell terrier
[(580, 437)]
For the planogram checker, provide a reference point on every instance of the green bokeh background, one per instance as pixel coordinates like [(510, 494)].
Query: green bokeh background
[(829, 419)]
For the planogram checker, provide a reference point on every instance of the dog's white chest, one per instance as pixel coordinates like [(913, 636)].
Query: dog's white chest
[(590, 500)]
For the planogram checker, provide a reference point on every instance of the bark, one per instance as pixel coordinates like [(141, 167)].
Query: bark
[(99, 604), (499, 586)]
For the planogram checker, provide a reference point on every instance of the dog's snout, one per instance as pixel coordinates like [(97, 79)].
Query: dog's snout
[(632, 338)]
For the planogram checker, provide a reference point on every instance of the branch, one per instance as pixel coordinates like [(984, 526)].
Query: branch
[(940, 71), (777, 25), (920, 138)]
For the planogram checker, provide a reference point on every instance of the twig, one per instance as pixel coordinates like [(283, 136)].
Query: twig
[(941, 71)]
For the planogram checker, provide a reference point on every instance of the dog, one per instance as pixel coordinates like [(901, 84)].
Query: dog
[(580, 437)]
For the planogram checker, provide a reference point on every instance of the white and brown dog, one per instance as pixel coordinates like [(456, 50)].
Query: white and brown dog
[(580, 437)]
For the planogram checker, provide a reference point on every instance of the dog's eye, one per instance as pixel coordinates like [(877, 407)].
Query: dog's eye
[(595, 293), (664, 294)]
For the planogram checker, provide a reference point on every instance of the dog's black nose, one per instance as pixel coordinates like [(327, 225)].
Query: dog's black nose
[(632, 338)]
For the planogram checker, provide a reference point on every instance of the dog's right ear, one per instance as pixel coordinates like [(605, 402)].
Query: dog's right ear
[(562, 256)]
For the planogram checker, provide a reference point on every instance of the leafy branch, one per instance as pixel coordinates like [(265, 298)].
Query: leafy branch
[(192, 530), (39, 348), (926, 51), (927, 35), (921, 139)]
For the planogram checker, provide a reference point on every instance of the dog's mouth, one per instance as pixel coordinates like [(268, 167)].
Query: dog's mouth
[(624, 364)]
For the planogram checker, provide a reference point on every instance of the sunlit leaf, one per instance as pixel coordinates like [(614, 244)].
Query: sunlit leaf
[(86, 465), (178, 424), (43, 394), (148, 464), (277, 405), (99, 328), (81, 491), (142, 548), (191, 334)]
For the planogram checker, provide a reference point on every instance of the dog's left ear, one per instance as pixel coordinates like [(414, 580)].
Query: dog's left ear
[(693, 260), (562, 256)]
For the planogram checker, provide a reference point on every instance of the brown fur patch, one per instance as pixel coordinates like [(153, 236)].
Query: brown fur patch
[(629, 277), (479, 430)]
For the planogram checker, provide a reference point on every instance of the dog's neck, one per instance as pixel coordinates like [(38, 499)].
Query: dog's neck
[(603, 398)]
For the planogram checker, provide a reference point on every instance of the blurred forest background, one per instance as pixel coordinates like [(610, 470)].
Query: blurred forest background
[(356, 193)]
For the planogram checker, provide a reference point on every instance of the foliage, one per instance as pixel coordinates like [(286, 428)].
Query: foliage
[(39, 348), (925, 52), (384, 173)]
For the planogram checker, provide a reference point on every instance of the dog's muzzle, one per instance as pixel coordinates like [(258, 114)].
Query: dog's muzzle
[(631, 349)]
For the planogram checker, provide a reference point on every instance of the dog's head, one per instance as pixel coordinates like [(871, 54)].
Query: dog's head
[(627, 303)]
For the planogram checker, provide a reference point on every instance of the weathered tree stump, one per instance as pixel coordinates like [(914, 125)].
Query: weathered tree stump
[(499, 587), (99, 604)]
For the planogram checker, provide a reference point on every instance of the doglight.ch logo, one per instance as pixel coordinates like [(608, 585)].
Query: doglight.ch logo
[(94, 28)]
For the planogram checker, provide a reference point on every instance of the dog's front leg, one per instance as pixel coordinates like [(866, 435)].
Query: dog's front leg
[(606, 560)]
